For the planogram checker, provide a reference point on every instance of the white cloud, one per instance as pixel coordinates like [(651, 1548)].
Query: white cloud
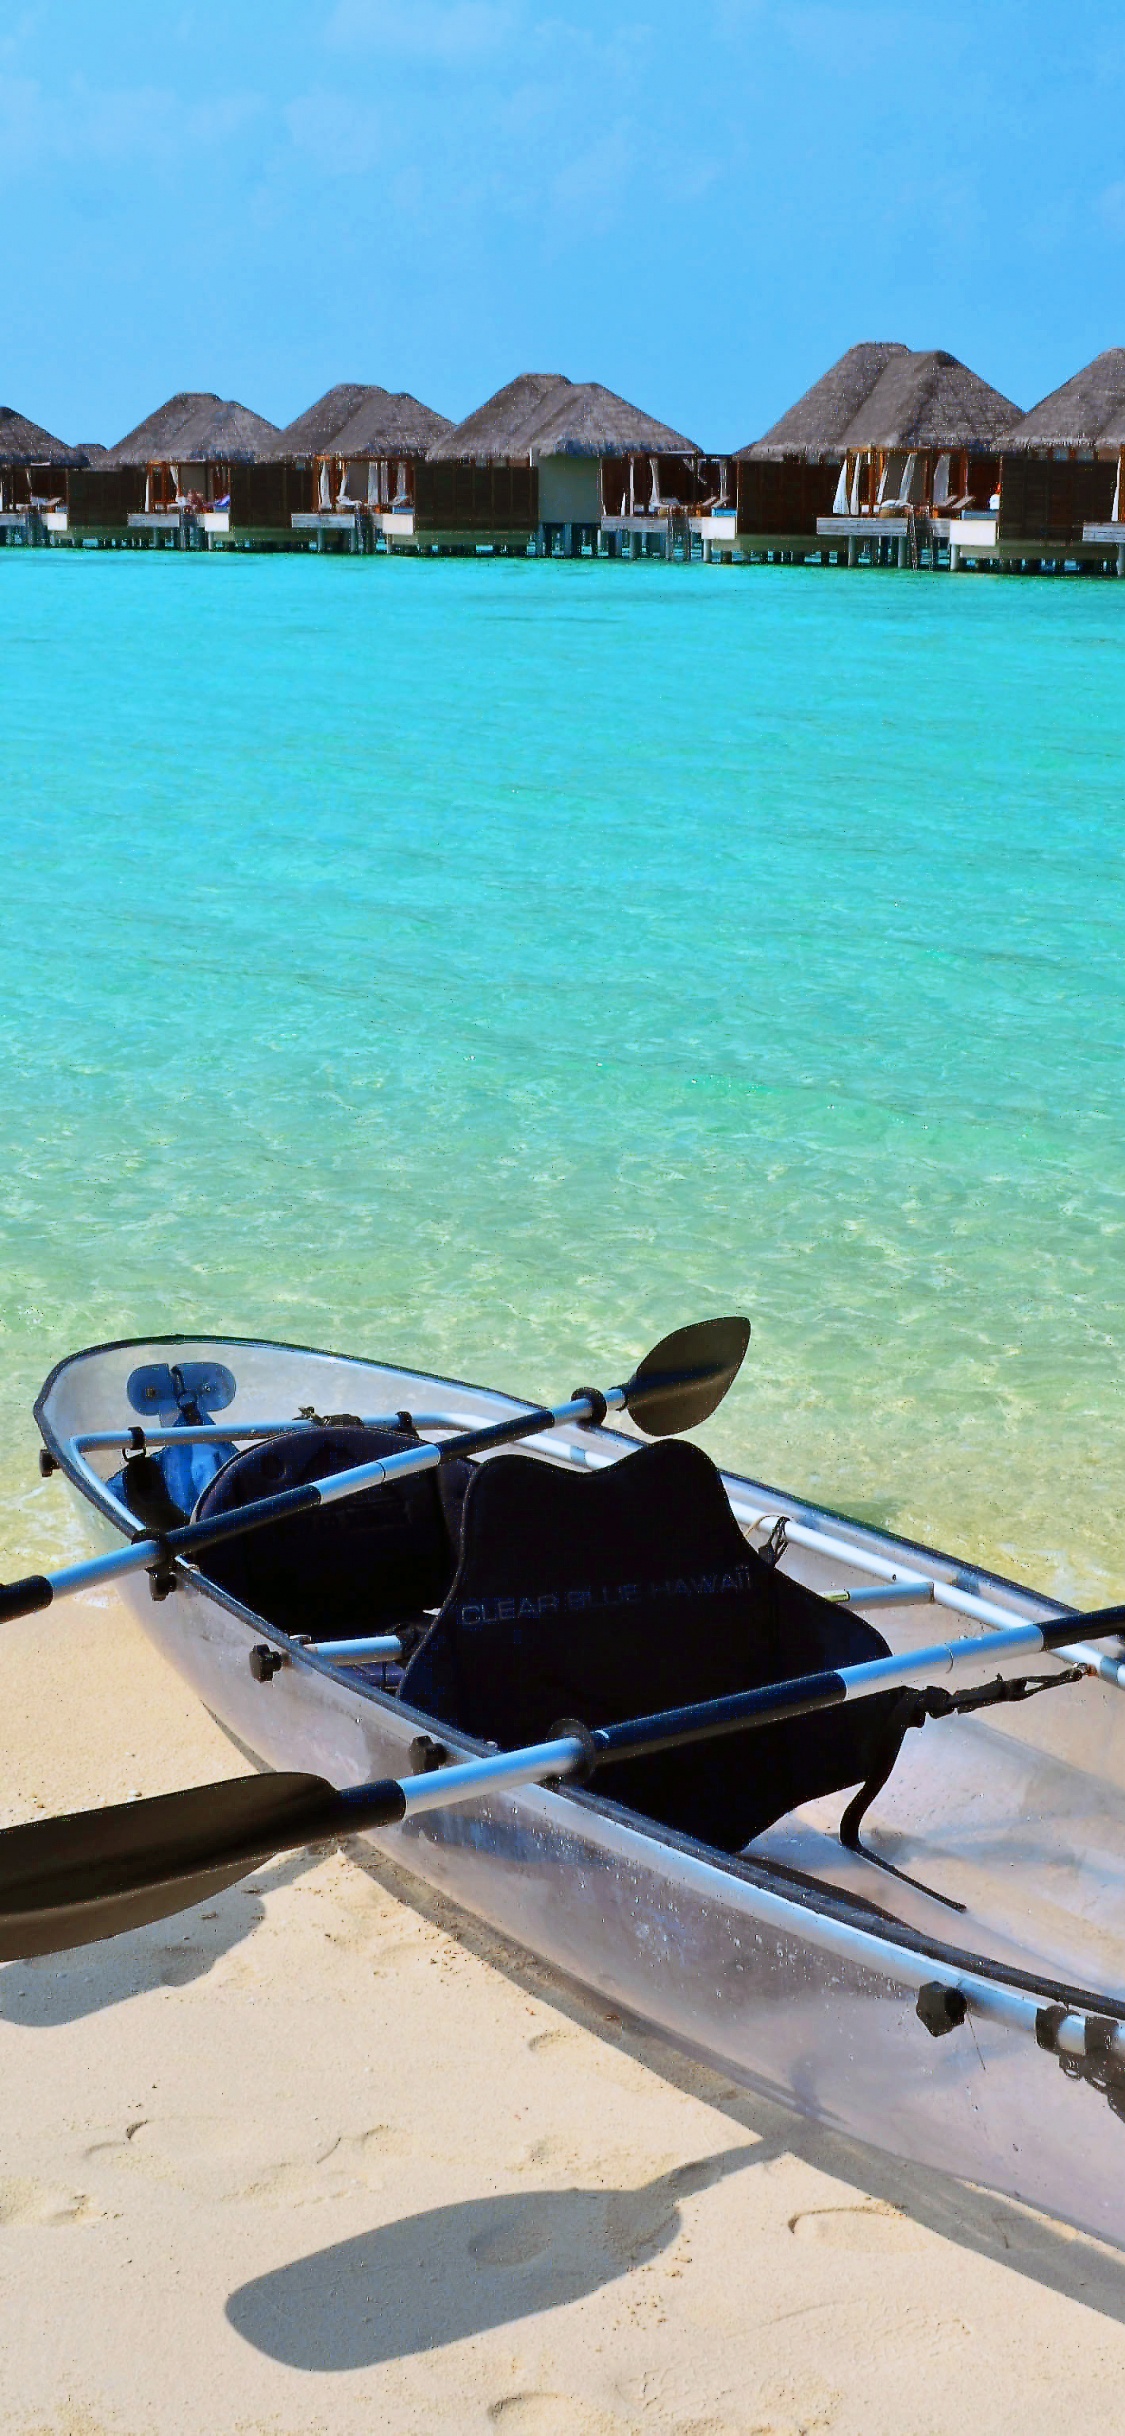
[(867, 42), (587, 192), (77, 122), (422, 29), (224, 115), (109, 126), (1111, 208), (342, 136)]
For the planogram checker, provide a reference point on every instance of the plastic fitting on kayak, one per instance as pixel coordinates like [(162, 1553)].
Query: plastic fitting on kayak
[(940, 2009), (571, 1729), (427, 1753), (264, 1662)]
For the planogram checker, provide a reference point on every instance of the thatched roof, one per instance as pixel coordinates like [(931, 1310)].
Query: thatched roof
[(195, 427), (586, 420), (389, 423), (25, 443), (1086, 412), (543, 414), (815, 426), (930, 400), (310, 433), (504, 425)]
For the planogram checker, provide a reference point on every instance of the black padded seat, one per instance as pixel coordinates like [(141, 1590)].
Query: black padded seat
[(366, 1565), (615, 1594)]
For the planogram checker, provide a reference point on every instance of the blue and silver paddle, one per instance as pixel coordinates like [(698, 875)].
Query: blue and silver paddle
[(676, 1386), (71, 1881)]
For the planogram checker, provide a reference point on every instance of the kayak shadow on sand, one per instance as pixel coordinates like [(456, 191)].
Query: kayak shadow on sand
[(59, 1988), (1001, 2231), (456, 2271)]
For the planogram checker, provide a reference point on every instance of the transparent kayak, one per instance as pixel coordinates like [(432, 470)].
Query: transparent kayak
[(968, 2014)]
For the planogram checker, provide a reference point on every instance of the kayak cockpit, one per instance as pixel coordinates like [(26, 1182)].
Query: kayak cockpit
[(527, 1593)]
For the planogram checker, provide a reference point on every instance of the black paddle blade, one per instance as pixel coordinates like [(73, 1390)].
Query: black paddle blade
[(681, 1381), (69, 1881)]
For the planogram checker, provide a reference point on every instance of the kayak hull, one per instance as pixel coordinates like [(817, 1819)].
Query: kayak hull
[(804, 1993)]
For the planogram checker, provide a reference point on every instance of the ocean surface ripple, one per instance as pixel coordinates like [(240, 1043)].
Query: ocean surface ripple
[(488, 965)]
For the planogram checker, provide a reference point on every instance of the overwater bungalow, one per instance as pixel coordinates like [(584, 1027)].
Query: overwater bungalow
[(560, 465), (310, 433), (364, 472), (479, 485), (1060, 496), (790, 477), (920, 453), (34, 467), (195, 470)]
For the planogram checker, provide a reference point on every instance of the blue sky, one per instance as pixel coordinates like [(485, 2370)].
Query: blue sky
[(701, 206)]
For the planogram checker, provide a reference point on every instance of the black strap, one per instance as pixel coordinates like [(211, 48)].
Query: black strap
[(775, 1546), (913, 1709)]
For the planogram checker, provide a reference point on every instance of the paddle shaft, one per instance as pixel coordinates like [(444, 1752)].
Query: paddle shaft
[(65, 1882), (676, 1385), (39, 1590), (566, 1754)]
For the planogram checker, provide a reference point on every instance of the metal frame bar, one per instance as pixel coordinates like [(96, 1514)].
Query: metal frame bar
[(201, 1434), (943, 1594)]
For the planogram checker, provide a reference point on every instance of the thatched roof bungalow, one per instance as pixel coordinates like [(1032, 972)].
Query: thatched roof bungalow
[(310, 433), (371, 460), (598, 456), (189, 445), (501, 431), (33, 464), (198, 456), (1063, 462), (547, 453), (927, 437), (788, 478), (479, 483)]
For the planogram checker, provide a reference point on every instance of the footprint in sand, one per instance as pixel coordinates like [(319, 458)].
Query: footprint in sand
[(210, 2156), (722, 2427), (516, 2240), (875, 2228), (643, 2220), (352, 2162), (42, 2203), (552, 2415)]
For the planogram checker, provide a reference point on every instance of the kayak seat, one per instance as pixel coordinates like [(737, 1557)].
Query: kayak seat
[(162, 1486), (368, 1564), (618, 1593)]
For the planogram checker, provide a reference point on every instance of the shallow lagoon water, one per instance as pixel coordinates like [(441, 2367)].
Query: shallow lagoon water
[(489, 964)]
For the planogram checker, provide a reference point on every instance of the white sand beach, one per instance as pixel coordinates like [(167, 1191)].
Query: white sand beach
[(326, 2157)]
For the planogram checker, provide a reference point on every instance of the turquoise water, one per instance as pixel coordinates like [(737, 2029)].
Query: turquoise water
[(489, 965)]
